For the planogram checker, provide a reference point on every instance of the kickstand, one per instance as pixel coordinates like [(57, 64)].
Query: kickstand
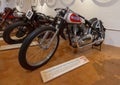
[(97, 47)]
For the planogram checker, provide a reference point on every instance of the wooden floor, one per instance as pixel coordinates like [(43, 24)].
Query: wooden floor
[(103, 68)]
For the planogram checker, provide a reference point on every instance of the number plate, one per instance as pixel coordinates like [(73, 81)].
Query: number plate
[(29, 14)]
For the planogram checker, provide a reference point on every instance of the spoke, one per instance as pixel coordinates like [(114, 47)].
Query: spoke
[(36, 55), (44, 37)]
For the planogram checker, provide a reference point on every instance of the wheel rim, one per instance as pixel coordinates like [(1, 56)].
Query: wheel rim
[(38, 54)]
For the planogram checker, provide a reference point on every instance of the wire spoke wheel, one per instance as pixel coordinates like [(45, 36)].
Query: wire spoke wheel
[(19, 32), (40, 52), (38, 48)]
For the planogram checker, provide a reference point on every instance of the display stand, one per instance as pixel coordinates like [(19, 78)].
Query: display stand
[(97, 47), (13, 46)]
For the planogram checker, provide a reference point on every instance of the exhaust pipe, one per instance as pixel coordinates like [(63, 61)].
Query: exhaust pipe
[(100, 40)]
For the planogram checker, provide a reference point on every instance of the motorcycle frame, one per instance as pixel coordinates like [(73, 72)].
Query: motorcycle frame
[(60, 24), (64, 25)]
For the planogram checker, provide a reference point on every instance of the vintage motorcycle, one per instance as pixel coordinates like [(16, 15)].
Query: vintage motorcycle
[(69, 25), (18, 31), (9, 16)]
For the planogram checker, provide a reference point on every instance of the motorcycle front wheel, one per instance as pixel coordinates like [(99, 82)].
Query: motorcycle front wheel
[(16, 32), (38, 48)]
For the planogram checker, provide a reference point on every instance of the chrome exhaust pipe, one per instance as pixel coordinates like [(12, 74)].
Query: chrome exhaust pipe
[(100, 40)]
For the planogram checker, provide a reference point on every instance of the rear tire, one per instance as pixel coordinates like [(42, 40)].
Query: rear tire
[(102, 33), (13, 39), (39, 48)]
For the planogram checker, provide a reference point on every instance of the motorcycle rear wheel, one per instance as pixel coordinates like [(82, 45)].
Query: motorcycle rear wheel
[(13, 33), (102, 33)]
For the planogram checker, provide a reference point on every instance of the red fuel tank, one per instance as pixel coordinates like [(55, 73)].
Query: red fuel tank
[(73, 18)]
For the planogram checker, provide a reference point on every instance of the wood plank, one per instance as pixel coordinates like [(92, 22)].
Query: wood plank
[(14, 46), (60, 69)]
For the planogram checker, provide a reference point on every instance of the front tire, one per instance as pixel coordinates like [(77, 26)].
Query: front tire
[(33, 57)]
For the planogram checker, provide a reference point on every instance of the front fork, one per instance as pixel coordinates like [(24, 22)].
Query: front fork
[(53, 37)]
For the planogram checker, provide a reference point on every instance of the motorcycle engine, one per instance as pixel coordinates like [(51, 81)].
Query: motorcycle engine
[(80, 35)]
